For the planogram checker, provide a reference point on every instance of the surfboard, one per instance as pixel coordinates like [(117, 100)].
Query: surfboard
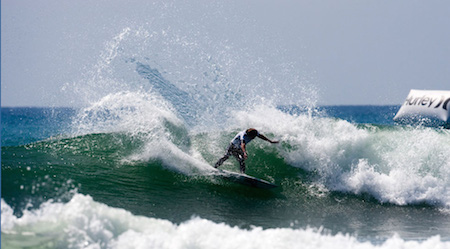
[(245, 179)]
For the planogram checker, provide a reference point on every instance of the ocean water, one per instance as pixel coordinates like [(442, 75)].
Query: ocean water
[(130, 167), (344, 181)]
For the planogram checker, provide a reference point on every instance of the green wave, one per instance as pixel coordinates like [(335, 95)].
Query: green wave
[(96, 165)]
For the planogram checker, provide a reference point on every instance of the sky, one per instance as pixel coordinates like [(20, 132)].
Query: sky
[(353, 52)]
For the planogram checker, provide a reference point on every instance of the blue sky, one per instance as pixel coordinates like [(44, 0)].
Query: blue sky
[(353, 52)]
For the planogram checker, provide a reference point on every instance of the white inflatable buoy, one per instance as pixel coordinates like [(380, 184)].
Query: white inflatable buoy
[(429, 108)]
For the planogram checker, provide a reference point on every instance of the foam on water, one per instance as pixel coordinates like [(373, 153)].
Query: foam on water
[(397, 165), (85, 223)]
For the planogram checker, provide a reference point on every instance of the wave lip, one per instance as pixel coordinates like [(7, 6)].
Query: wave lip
[(85, 223)]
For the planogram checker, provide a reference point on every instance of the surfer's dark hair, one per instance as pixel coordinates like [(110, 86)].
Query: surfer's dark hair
[(252, 132)]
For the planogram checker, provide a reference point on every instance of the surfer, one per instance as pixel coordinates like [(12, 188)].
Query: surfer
[(237, 147)]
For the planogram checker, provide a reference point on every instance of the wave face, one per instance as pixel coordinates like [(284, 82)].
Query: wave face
[(160, 107)]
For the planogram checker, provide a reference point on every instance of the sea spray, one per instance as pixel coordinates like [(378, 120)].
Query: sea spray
[(203, 80), (131, 112)]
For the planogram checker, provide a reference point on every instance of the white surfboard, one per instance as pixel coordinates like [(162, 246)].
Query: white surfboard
[(245, 179)]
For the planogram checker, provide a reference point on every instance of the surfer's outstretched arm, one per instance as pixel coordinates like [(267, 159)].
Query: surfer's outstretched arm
[(266, 139)]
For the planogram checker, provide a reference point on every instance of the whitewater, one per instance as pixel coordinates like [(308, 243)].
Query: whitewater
[(84, 223), (131, 166)]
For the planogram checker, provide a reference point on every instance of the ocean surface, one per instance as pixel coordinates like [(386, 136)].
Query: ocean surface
[(348, 178), (131, 165)]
